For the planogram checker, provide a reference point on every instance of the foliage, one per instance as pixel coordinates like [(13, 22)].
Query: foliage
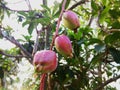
[(96, 45)]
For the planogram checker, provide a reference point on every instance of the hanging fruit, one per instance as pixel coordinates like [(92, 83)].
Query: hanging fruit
[(63, 45), (70, 20), (45, 61)]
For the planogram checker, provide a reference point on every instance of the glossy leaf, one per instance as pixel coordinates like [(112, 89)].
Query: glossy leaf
[(94, 7), (94, 41), (30, 28), (104, 14), (115, 54), (60, 7), (112, 38), (46, 8)]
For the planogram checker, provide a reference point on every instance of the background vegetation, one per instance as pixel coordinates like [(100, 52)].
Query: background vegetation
[(96, 46)]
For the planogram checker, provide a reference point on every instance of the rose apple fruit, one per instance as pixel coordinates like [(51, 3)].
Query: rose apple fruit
[(45, 61), (63, 45), (70, 20)]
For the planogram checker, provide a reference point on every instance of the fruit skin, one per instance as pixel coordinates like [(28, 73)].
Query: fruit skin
[(45, 61), (70, 20), (63, 45)]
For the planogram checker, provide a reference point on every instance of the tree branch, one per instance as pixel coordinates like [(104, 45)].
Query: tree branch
[(7, 8), (107, 82), (77, 4), (47, 36), (58, 24), (13, 56), (45, 2), (14, 41), (29, 5), (90, 21), (36, 42), (113, 30), (106, 30)]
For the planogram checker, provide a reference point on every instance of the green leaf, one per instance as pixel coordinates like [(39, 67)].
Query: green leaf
[(94, 40), (118, 67), (27, 38), (116, 25), (25, 23), (1, 73), (94, 5), (105, 2), (23, 13), (67, 3), (31, 13), (30, 28), (60, 7), (104, 13), (85, 29), (99, 48), (55, 8), (43, 21), (114, 13), (115, 54), (81, 41), (109, 73), (95, 61), (112, 38), (8, 13), (1, 17), (46, 8), (78, 35), (8, 28)]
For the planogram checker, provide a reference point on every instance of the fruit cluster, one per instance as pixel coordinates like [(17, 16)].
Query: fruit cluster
[(46, 60)]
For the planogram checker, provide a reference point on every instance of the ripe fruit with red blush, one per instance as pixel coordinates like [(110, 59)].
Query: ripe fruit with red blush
[(70, 20), (45, 61), (63, 45)]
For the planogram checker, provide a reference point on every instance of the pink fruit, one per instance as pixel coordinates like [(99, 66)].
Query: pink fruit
[(63, 45), (45, 61), (70, 20)]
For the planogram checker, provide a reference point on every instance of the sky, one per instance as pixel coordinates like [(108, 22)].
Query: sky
[(21, 5)]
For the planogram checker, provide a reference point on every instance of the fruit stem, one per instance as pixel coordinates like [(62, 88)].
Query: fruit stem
[(58, 24), (42, 81), (57, 29), (75, 30)]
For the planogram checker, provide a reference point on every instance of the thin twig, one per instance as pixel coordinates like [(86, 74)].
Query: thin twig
[(36, 42), (45, 2), (47, 36), (17, 2), (14, 41), (47, 30), (58, 24), (29, 5), (13, 56), (113, 30), (98, 22), (107, 82), (5, 7), (77, 4), (56, 33), (42, 81), (90, 21)]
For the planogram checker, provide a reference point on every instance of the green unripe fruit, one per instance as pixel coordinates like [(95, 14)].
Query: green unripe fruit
[(70, 20)]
